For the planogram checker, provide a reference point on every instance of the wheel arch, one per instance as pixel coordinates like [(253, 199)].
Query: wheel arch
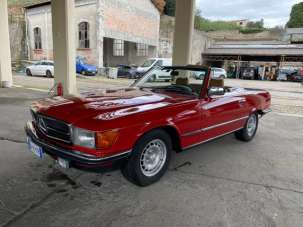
[(171, 130)]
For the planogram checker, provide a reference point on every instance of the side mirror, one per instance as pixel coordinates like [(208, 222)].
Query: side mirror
[(214, 91)]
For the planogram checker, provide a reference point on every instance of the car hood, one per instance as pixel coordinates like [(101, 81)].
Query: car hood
[(72, 109)]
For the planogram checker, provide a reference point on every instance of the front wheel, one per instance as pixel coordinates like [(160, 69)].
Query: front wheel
[(249, 131), (28, 72), (150, 158)]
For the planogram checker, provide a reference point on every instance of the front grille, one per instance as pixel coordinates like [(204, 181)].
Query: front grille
[(52, 128)]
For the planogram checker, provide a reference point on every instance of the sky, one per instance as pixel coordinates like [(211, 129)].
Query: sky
[(274, 12)]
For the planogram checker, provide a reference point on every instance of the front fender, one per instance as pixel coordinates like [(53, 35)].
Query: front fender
[(149, 126)]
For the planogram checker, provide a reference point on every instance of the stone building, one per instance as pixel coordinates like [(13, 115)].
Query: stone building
[(108, 32)]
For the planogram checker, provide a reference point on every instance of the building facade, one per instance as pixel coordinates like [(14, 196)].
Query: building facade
[(108, 32)]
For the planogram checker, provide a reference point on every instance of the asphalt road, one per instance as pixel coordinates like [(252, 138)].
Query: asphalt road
[(222, 183)]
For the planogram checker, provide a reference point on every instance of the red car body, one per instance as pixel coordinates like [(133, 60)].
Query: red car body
[(133, 112)]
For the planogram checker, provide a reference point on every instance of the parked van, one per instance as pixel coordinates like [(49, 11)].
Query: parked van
[(152, 62)]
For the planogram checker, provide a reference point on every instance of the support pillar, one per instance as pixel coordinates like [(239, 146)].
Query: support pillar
[(184, 28), (64, 44), (6, 78), (100, 33)]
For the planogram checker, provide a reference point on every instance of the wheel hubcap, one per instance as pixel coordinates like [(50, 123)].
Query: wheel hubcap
[(153, 157), (251, 125)]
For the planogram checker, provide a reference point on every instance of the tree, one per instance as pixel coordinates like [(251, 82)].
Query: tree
[(170, 8), (160, 4), (296, 16)]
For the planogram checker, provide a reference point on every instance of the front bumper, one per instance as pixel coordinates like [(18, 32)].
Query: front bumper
[(75, 158)]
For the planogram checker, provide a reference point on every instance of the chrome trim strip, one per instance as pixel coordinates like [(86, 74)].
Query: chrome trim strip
[(225, 123), (196, 144), (44, 131), (213, 126), (192, 133)]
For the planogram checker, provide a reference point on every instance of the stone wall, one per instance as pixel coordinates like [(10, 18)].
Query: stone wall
[(17, 33)]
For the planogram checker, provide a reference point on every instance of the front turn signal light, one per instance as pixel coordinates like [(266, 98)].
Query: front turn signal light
[(106, 139)]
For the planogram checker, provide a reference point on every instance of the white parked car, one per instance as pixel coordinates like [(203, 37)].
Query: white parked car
[(41, 68), (155, 62), (216, 73), (152, 62)]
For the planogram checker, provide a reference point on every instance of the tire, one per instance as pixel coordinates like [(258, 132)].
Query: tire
[(250, 129), (48, 74), (222, 77), (136, 169), (83, 72), (28, 72)]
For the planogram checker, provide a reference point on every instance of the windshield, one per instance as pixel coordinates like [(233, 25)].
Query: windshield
[(81, 60), (148, 63), (173, 79)]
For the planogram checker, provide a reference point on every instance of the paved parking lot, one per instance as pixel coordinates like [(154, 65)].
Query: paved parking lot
[(222, 183)]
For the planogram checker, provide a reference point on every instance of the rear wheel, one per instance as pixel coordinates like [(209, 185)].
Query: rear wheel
[(150, 158), (49, 74), (28, 72), (222, 77), (249, 131)]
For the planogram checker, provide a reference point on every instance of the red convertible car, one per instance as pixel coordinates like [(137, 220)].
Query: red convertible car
[(140, 126)]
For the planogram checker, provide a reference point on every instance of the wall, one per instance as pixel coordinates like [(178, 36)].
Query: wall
[(41, 17), (17, 33), (132, 20), (135, 21), (130, 54)]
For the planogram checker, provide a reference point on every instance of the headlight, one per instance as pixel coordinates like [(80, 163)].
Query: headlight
[(84, 138)]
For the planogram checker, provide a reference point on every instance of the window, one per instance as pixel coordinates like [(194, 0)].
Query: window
[(84, 35), (118, 47), (37, 38), (165, 47), (142, 50)]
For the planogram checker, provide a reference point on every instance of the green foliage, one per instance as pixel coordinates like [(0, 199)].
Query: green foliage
[(296, 16), (256, 25), (170, 7), (203, 24)]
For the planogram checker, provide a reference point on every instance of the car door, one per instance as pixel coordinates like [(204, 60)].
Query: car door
[(40, 68), (221, 114), (35, 68), (43, 68)]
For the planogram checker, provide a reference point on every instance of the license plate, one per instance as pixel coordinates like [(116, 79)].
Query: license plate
[(34, 148), (63, 163)]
